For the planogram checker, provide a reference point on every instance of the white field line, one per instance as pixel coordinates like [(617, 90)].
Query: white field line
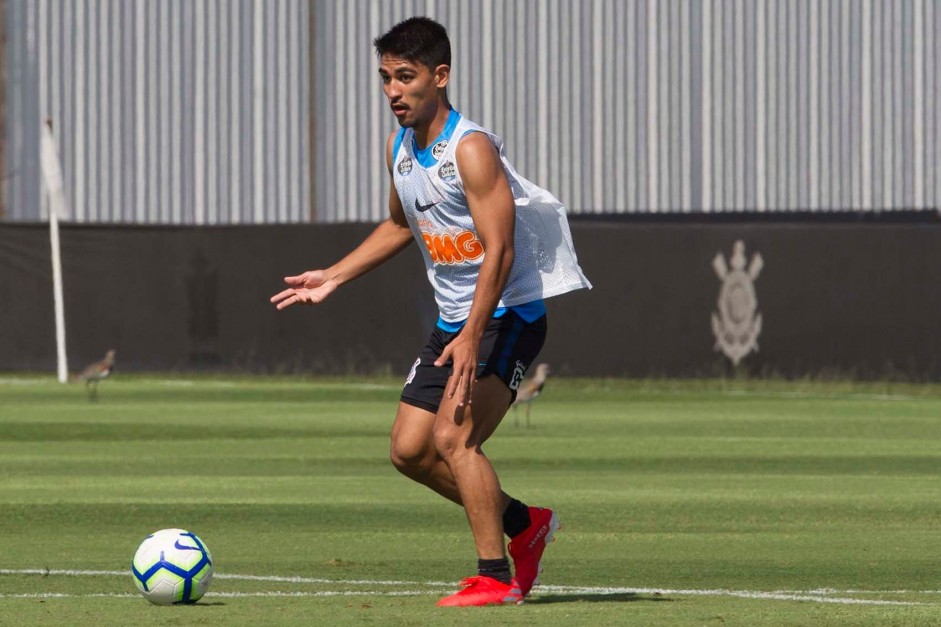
[(720, 592), (827, 591), (401, 593), (822, 595), (217, 595), (268, 578)]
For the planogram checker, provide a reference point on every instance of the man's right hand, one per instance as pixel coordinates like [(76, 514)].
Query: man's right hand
[(309, 288)]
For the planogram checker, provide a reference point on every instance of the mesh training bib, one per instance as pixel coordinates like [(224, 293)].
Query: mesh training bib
[(431, 191)]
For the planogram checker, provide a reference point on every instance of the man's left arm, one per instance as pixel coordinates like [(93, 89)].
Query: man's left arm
[(493, 210)]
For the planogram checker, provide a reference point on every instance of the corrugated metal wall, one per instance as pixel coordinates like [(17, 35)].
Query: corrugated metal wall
[(197, 112), (168, 111), (660, 105), (3, 103)]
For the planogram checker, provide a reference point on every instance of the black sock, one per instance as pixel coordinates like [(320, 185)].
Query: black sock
[(515, 518), (496, 569)]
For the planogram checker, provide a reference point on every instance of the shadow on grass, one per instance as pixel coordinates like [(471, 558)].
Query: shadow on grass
[(623, 597)]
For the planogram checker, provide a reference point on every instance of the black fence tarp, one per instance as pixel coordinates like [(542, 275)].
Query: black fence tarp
[(857, 300)]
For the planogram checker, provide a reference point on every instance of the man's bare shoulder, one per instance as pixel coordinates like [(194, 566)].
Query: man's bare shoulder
[(475, 145), (476, 157)]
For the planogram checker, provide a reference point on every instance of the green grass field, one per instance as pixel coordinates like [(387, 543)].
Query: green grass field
[(682, 503)]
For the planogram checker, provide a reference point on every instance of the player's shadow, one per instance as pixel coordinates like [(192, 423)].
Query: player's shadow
[(620, 597)]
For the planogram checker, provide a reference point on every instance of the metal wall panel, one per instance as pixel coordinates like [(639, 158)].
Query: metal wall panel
[(3, 102), (170, 111), (658, 105), (165, 111)]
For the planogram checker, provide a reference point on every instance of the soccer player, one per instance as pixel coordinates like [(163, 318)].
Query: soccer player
[(494, 245)]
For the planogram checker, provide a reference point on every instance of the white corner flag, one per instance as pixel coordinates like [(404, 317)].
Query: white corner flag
[(54, 185)]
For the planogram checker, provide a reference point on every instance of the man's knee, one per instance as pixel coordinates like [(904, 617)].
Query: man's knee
[(445, 440), (451, 441), (467, 431), (410, 456)]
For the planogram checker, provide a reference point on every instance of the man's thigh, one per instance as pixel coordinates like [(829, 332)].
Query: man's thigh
[(413, 431), (471, 425)]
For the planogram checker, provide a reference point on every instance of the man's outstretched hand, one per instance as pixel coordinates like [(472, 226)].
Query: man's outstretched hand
[(309, 288)]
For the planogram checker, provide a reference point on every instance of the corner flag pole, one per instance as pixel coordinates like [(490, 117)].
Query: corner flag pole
[(52, 177)]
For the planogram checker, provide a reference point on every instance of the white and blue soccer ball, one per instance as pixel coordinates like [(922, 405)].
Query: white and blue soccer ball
[(172, 566)]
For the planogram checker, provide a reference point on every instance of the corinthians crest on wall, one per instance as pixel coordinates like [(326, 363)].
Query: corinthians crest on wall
[(737, 324)]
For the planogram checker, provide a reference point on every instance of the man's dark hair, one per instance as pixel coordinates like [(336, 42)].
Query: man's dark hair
[(417, 39)]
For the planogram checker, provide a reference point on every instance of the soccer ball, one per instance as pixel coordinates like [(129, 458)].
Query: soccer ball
[(172, 566)]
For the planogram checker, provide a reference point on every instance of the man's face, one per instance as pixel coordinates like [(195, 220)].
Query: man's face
[(412, 88)]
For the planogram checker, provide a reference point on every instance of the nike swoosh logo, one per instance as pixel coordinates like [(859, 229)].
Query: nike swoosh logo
[(183, 547), (421, 207)]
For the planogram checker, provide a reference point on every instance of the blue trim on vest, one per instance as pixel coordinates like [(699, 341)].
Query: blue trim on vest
[(450, 327), (397, 144), (424, 156), (530, 312)]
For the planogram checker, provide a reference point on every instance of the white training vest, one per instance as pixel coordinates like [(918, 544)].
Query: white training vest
[(431, 191)]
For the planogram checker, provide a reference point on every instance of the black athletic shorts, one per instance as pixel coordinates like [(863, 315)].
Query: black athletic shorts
[(508, 347)]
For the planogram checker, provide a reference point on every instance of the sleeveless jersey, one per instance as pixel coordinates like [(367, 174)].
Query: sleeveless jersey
[(431, 191)]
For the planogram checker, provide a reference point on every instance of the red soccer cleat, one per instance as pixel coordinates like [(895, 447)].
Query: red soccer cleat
[(526, 549), (480, 590)]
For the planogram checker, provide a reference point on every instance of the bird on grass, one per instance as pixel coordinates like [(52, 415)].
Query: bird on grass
[(529, 390), (95, 372)]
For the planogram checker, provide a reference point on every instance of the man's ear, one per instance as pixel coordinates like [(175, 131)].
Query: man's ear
[(442, 75)]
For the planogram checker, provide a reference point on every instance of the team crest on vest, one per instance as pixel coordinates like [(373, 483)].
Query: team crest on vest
[(737, 325), (405, 166), (438, 149), (447, 171)]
